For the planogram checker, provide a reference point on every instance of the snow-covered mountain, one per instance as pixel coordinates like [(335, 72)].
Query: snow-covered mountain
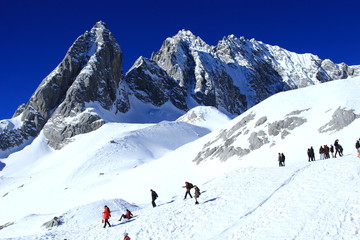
[(87, 89), (62, 105), (244, 194)]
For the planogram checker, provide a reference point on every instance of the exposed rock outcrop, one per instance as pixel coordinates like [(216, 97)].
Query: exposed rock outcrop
[(186, 72), (340, 119)]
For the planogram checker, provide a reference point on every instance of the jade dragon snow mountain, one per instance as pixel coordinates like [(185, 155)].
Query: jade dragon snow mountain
[(88, 87)]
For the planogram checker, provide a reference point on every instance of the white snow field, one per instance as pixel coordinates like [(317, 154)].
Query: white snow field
[(241, 198)]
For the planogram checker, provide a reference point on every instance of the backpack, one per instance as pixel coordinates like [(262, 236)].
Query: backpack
[(191, 185)]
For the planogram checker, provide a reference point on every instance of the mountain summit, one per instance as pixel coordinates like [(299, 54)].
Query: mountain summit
[(90, 72), (88, 89)]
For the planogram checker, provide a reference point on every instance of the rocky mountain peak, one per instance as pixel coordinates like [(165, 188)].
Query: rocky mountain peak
[(186, 39), (88, 86), (99, 25), (90, 72)]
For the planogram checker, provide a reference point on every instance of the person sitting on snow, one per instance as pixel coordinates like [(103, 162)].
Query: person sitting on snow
[(127, 215)]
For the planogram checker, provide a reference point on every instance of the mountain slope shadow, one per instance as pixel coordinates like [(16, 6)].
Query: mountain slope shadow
[(211, 200), (2, 165)]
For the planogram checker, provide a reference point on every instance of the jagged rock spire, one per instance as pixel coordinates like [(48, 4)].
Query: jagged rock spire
[(90, 71)]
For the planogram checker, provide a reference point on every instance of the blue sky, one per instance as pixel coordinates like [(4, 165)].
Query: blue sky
[(35, 35)]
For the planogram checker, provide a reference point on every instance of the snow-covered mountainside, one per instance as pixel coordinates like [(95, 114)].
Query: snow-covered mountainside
[(243, 196), (87, 89)]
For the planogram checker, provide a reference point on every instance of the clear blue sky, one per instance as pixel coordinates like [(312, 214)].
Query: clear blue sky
[(35, 35)]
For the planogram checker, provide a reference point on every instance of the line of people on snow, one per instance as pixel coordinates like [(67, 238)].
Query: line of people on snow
[(128, 214), (325, 151)]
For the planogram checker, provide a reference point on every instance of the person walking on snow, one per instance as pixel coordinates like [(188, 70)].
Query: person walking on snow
[(309, 154), (106, 216), (197, 194), (321, 151), (332, 150), (188, 186), (126, 236), (281, 160), (127, 215), (326, 151), (154, 196), (312, 153), (338, 148), (357, 146)]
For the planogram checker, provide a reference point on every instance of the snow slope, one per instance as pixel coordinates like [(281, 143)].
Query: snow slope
[(246, 198)]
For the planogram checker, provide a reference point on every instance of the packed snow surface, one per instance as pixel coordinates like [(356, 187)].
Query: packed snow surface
[(242, 198)]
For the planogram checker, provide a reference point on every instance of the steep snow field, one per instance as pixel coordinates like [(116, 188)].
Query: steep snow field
[(242, 198)]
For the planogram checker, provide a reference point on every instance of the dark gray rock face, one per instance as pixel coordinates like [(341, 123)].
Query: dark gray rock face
[(236, 74), (190, 61), (150, 84), (186, 72), (89, 72), (96, 81)]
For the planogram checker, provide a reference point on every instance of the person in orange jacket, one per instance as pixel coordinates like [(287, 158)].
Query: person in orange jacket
[(106, 216)]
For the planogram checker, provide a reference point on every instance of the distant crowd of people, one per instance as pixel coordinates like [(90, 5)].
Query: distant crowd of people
[(129, 215), (325, 151)]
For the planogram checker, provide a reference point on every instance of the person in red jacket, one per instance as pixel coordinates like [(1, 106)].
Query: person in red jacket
[(127, 215), (126, 236), (106, 216)]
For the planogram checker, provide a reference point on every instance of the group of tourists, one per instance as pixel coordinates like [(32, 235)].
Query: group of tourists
[(325, 151), (334, 150), (128, 214)]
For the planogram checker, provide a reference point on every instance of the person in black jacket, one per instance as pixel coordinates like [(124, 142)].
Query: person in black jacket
[(311, 154), (338, 148), (154, 196), (332, 150), (281, 160)]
